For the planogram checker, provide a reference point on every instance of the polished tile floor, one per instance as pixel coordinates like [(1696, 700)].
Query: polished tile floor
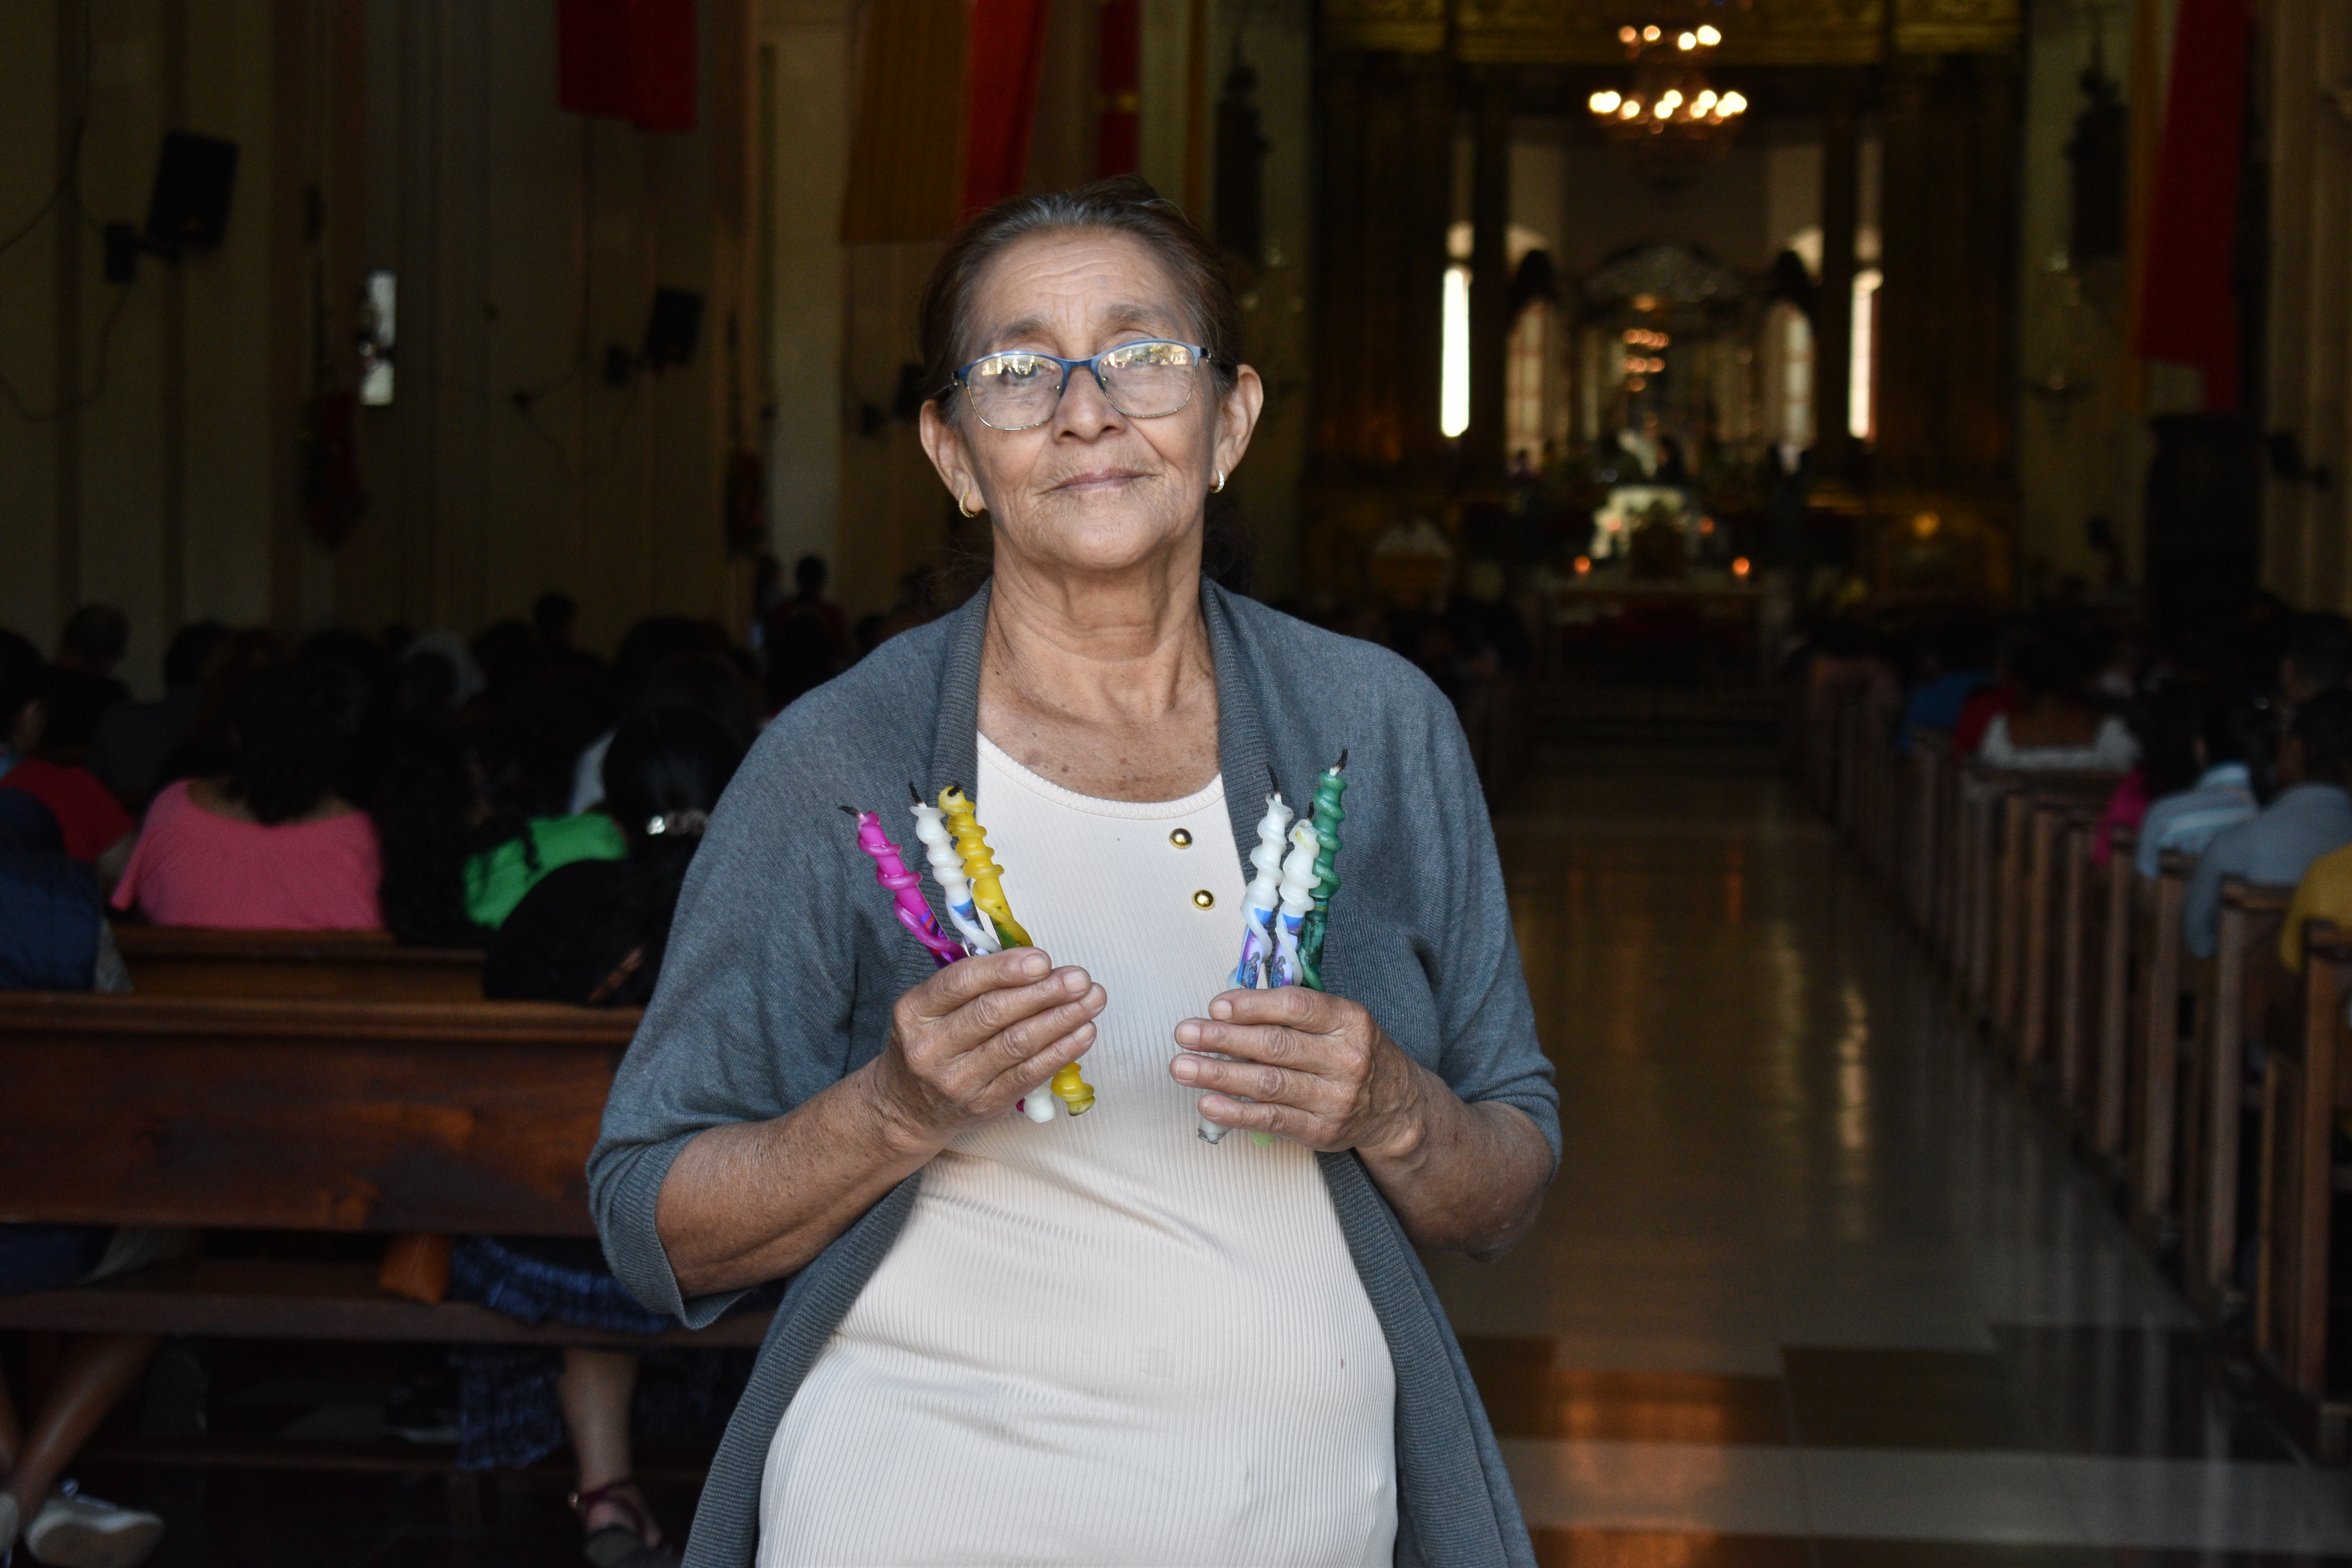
[(1815, 1289), (1816, 1284)]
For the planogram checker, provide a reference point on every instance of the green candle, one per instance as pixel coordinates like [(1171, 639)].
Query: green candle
[(1328, 814)]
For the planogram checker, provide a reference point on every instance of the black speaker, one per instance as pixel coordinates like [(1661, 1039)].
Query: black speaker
[(671, 331), (189, 208)]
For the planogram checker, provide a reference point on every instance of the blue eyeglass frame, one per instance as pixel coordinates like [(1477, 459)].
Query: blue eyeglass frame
[(1092, 365)]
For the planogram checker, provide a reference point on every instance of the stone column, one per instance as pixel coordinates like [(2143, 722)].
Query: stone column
[(1908, 306), (1490, 277)]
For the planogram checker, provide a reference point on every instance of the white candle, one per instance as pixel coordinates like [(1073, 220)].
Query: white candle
[(946, 871), (1299, 884), (1264, 898)]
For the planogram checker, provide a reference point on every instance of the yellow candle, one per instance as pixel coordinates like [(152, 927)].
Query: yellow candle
[(1069, 1085), (987, 887)]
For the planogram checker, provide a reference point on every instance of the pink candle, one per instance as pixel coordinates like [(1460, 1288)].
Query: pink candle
[(914, 912)]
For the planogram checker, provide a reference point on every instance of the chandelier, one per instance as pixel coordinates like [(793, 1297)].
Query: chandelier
[(1669, 117)]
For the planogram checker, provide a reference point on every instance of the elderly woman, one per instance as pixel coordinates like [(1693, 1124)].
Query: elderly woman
[(1102, 1339)]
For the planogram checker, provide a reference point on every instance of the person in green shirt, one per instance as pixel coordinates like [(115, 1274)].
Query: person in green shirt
[(497, 878)]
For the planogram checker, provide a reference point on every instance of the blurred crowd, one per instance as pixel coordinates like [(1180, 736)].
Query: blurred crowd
[(2232, 748)]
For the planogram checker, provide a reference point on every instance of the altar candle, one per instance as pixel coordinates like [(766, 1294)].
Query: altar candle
[(987, 884), (889, 870), (1328, 814), (1298, 898), (946, 871)]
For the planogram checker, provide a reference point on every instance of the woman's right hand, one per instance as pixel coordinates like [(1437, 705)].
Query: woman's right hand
[(979, 1035)]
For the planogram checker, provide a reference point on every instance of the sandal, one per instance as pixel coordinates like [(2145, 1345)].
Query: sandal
[(630, 1545)]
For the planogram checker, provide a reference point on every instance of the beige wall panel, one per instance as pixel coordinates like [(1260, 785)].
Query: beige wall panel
[(806, 165), (895, 511), (28, 154), (227, 409), (122, 473)]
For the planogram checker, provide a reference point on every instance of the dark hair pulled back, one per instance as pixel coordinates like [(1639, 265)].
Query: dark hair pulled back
[(302, 734), (1124, 205)]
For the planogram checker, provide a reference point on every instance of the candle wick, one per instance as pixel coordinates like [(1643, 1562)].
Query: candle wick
[(1272, 782), (854, 812), (913, 790), (1341, 765)]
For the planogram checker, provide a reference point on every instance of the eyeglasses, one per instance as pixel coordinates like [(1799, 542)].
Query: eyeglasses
[(1019, 389)]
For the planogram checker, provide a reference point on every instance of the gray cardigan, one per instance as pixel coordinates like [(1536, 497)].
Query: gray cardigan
[(786, 960)]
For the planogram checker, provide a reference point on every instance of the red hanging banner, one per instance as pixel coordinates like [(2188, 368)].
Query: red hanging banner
[(632, 59), (1119, 84), (1002, 67), (2188, 313)]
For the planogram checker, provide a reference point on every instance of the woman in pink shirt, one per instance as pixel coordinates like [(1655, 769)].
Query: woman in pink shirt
[(274, 843)]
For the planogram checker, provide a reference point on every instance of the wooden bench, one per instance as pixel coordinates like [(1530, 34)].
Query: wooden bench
[(346, 965), (2306, 1088), (304, 1116), (2248, 983), (2052, 908), (2118, 896), (2163, 983)]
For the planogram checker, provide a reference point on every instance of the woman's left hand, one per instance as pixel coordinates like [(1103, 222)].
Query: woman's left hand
[(1307, 1066)]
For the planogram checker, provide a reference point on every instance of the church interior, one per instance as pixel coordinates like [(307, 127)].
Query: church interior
[(1868, 477)]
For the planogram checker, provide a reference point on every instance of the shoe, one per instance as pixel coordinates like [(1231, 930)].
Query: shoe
[(626, 1545), (7, 1524), (76, 1531)]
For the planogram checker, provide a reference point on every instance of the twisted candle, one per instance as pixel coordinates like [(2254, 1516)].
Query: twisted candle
[(1328, 814), (946, 871), (1069, 1085), (1264, 896), (1259, 945), (1298, 898), (914, 912), (980, 865)]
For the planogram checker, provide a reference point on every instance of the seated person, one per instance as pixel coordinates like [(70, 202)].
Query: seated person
[(53, 937), (517, 852), (428, 811), (133, 737), (81, 686), (2202, 788), (2318, 657), (1952, 671), (276, 842), (2311, 816), (92, 828), (590, 931), (2052, 729)]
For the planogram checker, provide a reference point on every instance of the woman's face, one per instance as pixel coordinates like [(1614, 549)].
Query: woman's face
[(1091, 489)]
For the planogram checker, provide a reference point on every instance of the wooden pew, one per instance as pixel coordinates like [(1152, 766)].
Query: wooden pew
[(354, 966), (2305, 1090), (2119, 895), (2163, 981), (300, 1115), (2248, 983), (2053, 910), (1931, 754), (2082, 937)]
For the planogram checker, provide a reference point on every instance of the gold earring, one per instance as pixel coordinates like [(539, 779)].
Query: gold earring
[(1218, 483), (967, 510)]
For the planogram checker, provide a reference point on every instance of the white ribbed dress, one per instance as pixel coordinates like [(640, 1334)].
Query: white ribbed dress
[(1102, 1341)]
